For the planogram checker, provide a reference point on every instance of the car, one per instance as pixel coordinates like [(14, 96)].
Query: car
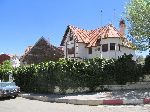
[(9, 89)]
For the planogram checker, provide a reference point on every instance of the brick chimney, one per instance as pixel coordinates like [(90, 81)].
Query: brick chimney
[(122, 27)]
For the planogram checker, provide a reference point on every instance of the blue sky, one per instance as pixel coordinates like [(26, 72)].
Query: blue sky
[(23, 22)]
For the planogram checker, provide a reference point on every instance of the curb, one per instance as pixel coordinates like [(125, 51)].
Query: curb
[(90, 102), (113, 102), (146, 100), (133, 101), (85, 102)]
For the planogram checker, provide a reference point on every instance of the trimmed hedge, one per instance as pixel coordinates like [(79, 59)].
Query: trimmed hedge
[(43, 77), (147, 65)]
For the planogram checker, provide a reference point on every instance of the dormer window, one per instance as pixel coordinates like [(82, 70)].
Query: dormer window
[(98, 42)]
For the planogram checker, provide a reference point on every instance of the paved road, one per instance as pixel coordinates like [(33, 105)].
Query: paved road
[(24, 105)]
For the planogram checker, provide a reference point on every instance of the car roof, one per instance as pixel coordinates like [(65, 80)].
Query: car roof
[(7, 82)]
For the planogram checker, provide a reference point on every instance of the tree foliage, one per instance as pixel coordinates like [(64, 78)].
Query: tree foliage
[(126, 70), (147, 65), (138, 15), (5, 70), (140, 60)]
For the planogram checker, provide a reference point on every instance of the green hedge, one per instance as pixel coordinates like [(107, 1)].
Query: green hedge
[(43, 77), (147, 65)]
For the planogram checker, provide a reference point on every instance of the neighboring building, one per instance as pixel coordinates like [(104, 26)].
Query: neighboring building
[(13, 58), (15, 61), (42, 51), (4, 57), (106, 42)]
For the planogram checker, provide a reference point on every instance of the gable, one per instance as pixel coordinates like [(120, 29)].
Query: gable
[(42, 51)]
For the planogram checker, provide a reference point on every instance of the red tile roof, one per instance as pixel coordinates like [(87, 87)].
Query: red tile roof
[(90, 37)]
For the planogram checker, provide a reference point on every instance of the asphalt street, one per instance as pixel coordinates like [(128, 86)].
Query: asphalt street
[(24, 105)]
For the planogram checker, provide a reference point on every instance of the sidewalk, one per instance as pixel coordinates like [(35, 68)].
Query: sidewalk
[(126, 97)]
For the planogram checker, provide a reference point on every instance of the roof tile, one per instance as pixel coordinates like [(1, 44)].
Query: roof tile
[(90, 37)]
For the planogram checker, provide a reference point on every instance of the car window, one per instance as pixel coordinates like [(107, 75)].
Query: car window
[(7, 84)]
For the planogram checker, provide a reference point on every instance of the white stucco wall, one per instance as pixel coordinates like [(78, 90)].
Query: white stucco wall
[(15, 62), (82, 51), (69, 44), (110, 53)]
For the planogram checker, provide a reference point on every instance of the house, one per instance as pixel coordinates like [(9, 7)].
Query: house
[(4, 57), (13, 58), (15, 61), (105, 42), (42, 51)]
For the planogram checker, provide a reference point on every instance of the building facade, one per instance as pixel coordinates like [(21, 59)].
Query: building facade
[(106, 42), (13, 58)]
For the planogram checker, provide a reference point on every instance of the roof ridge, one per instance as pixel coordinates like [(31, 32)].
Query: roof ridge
[(91, 36), (70, 26), (76, 32)]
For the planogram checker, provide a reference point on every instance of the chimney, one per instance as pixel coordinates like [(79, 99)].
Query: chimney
[(122, 27)]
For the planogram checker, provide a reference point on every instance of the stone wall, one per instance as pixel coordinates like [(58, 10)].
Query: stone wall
[(138, 85)]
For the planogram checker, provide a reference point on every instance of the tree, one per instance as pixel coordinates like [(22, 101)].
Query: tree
[(7, 65), (140, 60), (5, 69), (147, 65), (126, 70), (138, 16)]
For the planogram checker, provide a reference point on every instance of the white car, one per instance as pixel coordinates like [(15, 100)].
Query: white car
[(9, 89)]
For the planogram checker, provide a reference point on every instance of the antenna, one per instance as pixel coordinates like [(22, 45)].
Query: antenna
[(48, 39), (114, 16), (101, 17)]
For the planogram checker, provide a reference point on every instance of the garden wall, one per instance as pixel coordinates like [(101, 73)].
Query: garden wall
[(138, 85)]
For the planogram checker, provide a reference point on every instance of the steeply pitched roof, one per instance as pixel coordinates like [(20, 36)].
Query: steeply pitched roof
[(90, 37), (41, 51)]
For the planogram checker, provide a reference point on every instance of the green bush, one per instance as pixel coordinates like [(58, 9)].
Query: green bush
[(71, 74), (147, 65), (126, 70)]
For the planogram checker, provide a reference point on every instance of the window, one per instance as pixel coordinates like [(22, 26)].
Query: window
[(119, 46), (112, 46), (71, 50), (90, 50), (71, 38), (98, 42), (105, 47), (98, 49)]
